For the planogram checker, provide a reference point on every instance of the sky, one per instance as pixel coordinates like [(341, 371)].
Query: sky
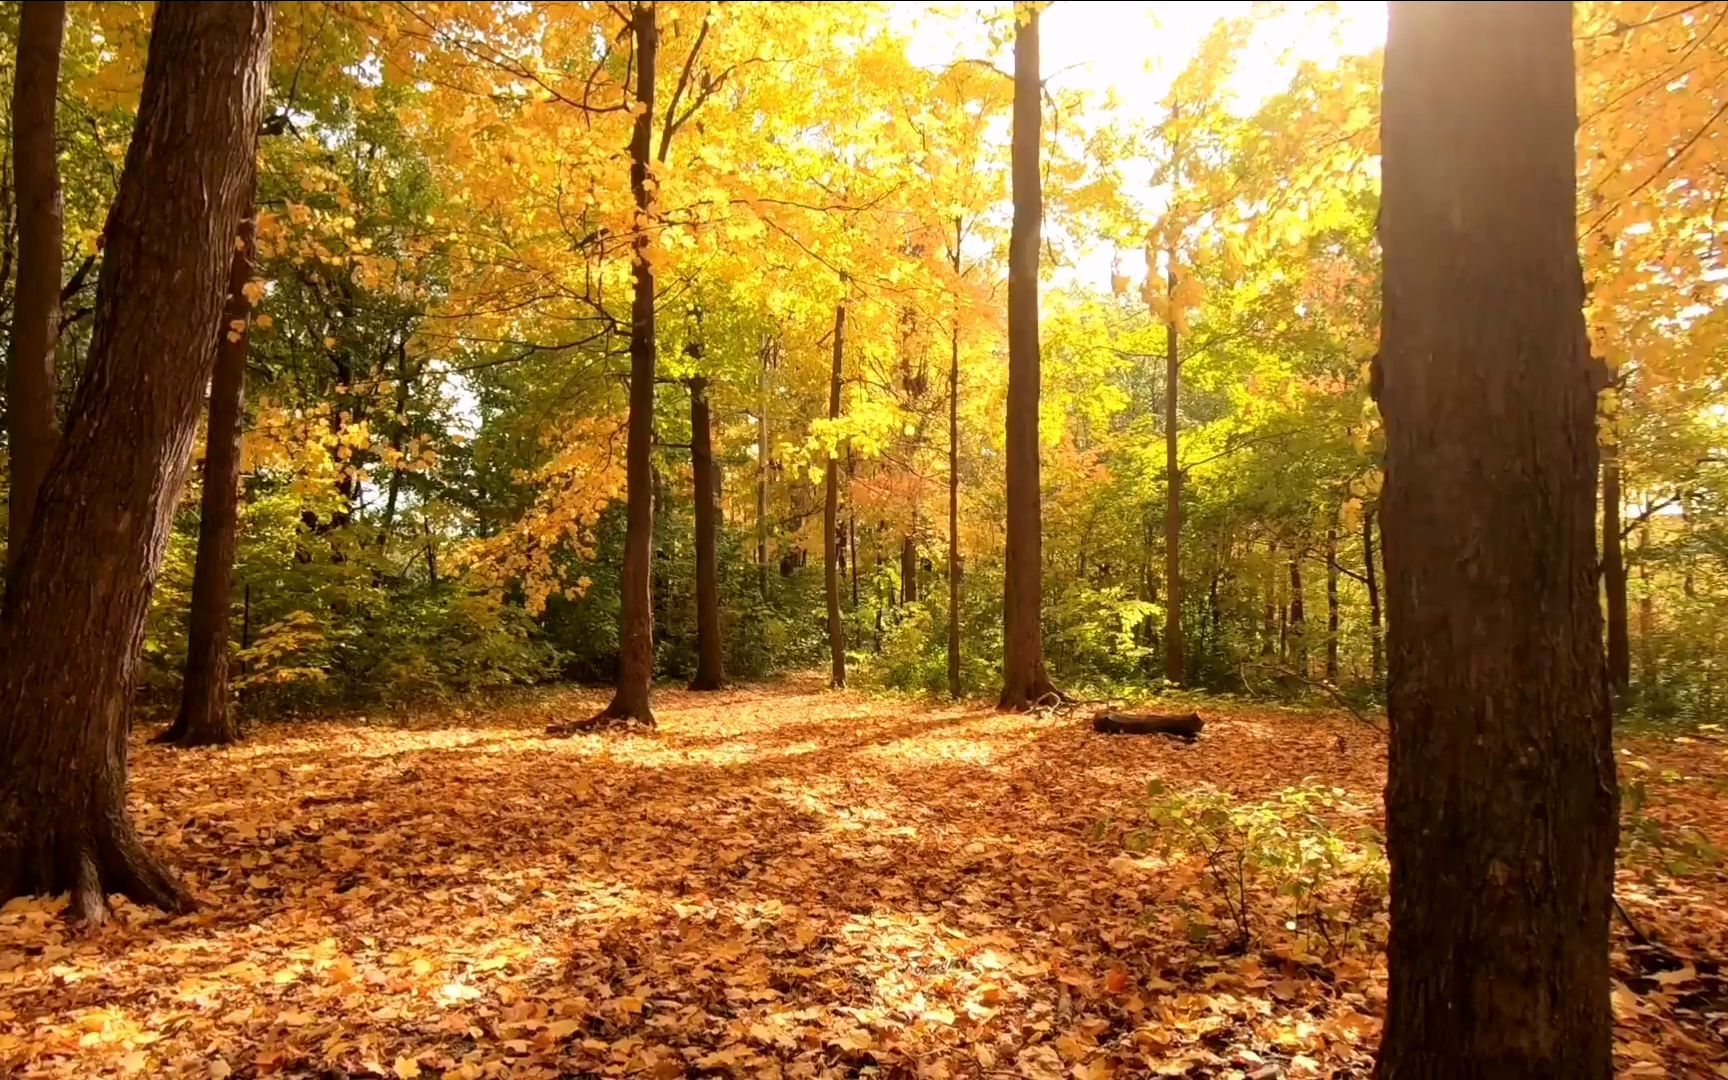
[(1136, 48), (1133, 50)]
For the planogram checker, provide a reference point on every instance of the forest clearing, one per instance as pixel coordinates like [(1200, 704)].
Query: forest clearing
[(1044, 539), (785, 881)]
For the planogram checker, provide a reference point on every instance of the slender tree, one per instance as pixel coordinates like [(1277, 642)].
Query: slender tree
[(831, 514), (1175, 660), (1614, 572), (630, 705), (1298, 616), (71, 633), (710, 668), (1332, 620), (1372, 580), (1501, 796), (954, 490), (1024, 680), (763, 447), (205, 718), (30, 379)]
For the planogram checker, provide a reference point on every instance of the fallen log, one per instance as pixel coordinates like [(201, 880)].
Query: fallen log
[(1181, 725)]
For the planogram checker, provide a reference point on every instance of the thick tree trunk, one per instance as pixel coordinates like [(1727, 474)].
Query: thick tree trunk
[(1501, 795), (710, 671), (831, 515), (205, 718), (1332, 600), (630, 704), (1614, 573), (1175, 662), (30, 378), (1024, 680), (1373, 581), (1298, 617), (70, 637), (954, 493)]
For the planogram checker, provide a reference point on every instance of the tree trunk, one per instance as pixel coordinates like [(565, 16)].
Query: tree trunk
[(1174, 660), (1373, 581), (1298, 617), (1501, 794), (831, 516), (852, 524), (1614, 573), (1332, 600), (908, 569), (205, 718), (398, 439), (954, 493), (763, 450), (710, 671), (70, 637), (1269, 617), (1024, 680), (1646, 612), (630, 704), (30, 377)]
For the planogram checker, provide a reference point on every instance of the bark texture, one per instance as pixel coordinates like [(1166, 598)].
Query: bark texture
[(70, 637), (831, 515), (1501, 795), (630, 704), (710, 666), (30, 378), (205, 718), (1024, 680)]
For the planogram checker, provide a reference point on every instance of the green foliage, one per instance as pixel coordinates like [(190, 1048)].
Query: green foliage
[(1280, 859), (1647, 839)]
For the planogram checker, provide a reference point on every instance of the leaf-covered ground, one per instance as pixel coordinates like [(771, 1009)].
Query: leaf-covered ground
[(781, 882)]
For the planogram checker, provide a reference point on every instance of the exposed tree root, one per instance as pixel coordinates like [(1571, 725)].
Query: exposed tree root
[(185, 738), (602, 723), (88, 866)]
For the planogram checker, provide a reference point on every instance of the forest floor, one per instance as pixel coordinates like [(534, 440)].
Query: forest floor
[(784, 881)]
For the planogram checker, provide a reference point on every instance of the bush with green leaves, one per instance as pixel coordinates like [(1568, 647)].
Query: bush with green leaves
[(1281, 859)]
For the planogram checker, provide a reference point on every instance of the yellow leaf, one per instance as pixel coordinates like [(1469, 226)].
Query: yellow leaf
[(406, 1068)]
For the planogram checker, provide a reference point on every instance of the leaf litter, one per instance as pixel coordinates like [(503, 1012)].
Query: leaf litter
[(781, 882)]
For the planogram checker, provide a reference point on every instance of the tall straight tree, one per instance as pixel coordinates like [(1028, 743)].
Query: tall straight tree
[(70, 636), (831, 514), (954, 486), (1175, 657), (1024, 680), (204, 718), (1614, 571), (36, 325), (1501, 796), (629, 705), (710, 664)]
